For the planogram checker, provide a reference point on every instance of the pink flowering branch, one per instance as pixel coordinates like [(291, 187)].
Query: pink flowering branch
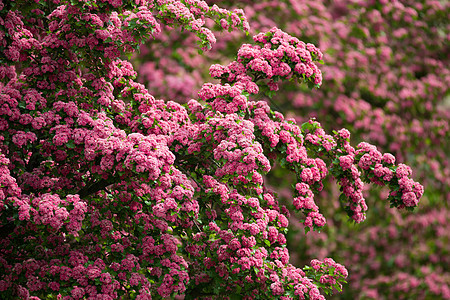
[(352, 167)]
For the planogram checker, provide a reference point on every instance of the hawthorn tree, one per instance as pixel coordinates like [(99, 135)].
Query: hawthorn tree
[(107, 192), (386, 79)]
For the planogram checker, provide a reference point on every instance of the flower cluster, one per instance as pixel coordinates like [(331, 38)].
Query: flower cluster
[(374, 167), (276, 55)]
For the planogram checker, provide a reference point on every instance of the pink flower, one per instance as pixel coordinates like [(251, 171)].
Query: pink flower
[(77, 292), (346, 161), (403, 171), (93, 273), (105, 278), (410, 199), (277, 288), (388, 158)]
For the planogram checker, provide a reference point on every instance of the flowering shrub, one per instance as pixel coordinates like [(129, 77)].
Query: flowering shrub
[(386, 79), (107, 192)]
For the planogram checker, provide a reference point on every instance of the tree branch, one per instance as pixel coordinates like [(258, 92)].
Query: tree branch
[(95, 187)]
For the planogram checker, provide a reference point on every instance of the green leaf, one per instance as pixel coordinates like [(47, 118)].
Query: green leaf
[(70, 144)]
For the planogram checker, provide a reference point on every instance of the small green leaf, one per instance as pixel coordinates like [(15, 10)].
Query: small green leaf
[(70, 144)]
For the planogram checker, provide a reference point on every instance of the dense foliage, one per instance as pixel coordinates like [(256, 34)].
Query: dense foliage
[(107, 192), (386, 79)]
